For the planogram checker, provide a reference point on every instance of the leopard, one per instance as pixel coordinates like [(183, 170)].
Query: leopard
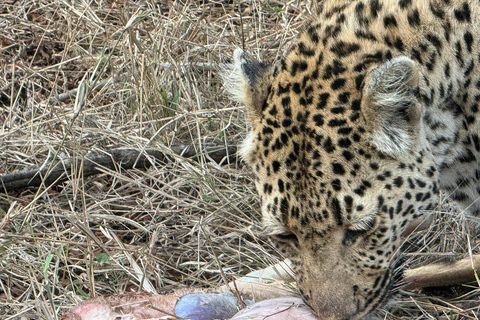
[(354, 132)]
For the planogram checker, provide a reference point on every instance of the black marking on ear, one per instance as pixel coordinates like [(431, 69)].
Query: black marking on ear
[(252, 69)]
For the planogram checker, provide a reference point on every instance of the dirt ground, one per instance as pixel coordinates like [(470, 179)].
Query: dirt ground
[(79, 77)]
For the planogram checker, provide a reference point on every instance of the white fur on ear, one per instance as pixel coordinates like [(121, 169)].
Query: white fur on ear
[(234, 79), (246, 146), (392, 141)]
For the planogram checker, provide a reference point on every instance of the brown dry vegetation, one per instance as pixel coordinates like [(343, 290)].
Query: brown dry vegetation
[(145, 74)]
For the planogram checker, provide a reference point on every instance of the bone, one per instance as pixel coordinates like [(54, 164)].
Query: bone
[(443, 274)]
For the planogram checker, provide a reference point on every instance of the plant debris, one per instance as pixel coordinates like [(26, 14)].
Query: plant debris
[(79, 77)]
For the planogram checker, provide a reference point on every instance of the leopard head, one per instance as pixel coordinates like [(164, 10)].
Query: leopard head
[(342, 167)]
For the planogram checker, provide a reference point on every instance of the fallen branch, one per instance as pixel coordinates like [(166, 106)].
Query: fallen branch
[(119, 159)]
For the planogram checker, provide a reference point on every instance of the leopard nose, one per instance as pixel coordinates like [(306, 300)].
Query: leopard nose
[(333, 307)]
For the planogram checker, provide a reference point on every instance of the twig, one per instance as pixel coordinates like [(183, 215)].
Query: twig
[(73, 93)]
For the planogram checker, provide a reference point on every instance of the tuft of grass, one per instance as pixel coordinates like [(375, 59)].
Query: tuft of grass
[(81, 76)]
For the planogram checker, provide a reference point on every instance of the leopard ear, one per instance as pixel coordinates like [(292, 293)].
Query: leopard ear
[(248, 82), (390, 105)]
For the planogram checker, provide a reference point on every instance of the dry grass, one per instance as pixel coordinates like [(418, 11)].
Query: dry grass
[(145, 74)]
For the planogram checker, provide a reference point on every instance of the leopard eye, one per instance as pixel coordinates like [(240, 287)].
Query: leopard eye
[(285, 237), (351, 236), (360, 229)]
